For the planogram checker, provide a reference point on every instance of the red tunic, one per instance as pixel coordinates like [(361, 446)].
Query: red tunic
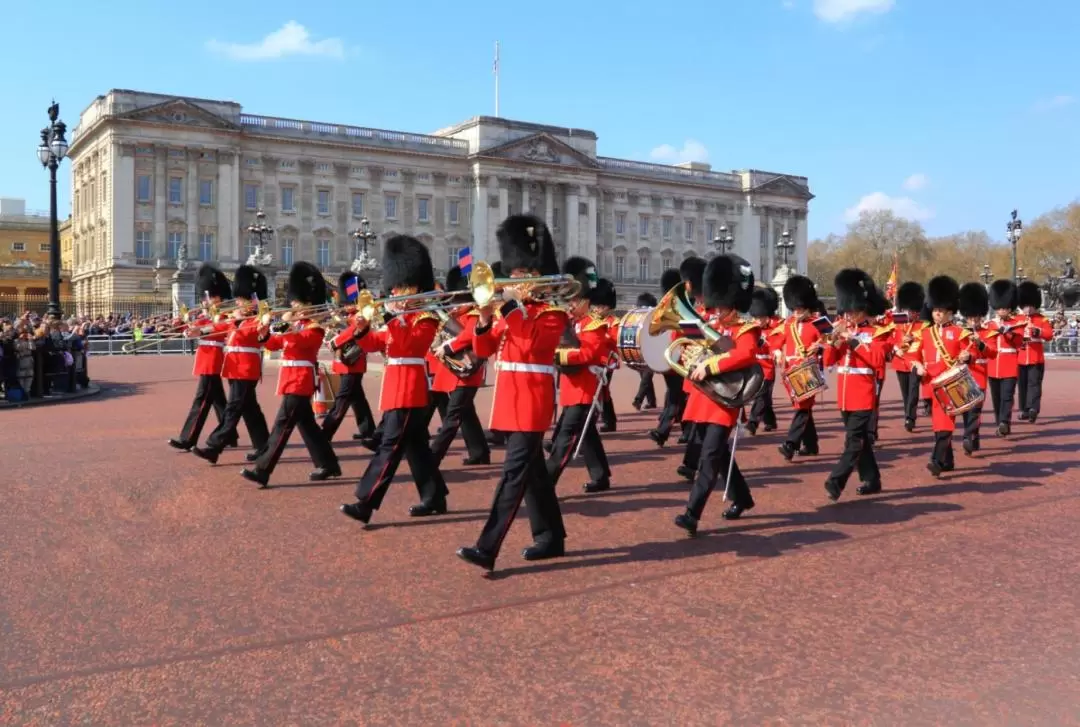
[(404, 343), (595, 346), (299, 357), (463, 341), (524, 343), (742, 355), (210, 353), (1006, 364), (771, 338), (798, 338), (981, 359), (1037, 333), (340, 341), (939, 349), (613, 322), (243, 352), (857, 362), (903, 355), (696, 402)]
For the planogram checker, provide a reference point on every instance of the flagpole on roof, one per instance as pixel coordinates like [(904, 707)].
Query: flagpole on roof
[(495, 69)]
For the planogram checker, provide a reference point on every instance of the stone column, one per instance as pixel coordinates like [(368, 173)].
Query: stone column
[(479, 244), (192, 206), (748, 235), (524, 196), (226, 204), (122, 200), (573, 231), (161, 201), (801, 263), (592, 249), (504, 198), (549, 203)]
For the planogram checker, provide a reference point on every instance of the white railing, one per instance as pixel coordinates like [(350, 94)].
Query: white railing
[(357, 133), (628, 166)]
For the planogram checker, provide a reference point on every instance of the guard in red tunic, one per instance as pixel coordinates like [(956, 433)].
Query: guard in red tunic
[(212, 286), (582, 367), (675, 396), (881, 318), (242, 368), (645, 398), (857, 350), (974, 304), (605, 299), (461, 406), (299, 338), (800, 335), (763, 310), (523, 339), (697, 404), (1004, 368), (1031, 357), (910, 298), (404, 341), (944, 345), (727, 290), (691, 271), (350, 362)]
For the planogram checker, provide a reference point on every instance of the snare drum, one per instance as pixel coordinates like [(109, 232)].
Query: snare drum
[(957, 391), (804, 381), (637, 348)]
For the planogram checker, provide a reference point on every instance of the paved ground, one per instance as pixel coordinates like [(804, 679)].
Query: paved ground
[(143, 586)]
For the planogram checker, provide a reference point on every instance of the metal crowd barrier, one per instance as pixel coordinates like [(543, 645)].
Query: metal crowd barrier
[(150, 345)]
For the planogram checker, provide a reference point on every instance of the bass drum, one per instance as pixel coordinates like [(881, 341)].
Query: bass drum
[(639, 350)]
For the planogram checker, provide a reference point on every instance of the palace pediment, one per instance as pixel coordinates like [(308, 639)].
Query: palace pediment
[(783, 186), (180, 112), (540, 148)]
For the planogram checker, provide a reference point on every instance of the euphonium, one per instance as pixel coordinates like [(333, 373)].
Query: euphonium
[(463, 364)]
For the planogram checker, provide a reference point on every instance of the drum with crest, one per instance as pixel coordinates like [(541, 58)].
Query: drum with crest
[(804, 380), (640, 349), (957, 391)]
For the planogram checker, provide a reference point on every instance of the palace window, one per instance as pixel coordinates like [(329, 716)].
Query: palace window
[(689, 229), (643, 267), (358, 204), (143, 247), (452, 257), (176, 190), (391, 206), (251, 196), (620, 223), (643, 225), (206, 192), (323, 202), (453, 211), (251, 244), (206, 246), (18, 247), (143, 188), (172, 248), (45, 247), (287, 247), (322, 250), (710, 231), (667, 228), (620, 267), (667, 262), (288, 199), (422, 209), (555, 218)]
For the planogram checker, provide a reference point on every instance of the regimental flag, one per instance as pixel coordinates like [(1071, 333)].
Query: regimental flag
[(464, 260), (823, 324), (890, 285), (352, 289)]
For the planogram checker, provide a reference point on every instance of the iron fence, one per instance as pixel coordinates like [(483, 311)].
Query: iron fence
[(140, 306)]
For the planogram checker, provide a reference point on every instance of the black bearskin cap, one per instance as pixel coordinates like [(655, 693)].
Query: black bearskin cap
[(605, 293), (1002, 294), (406, 263), (974, 301), (926, 314), (584, 271), (728, 282), (456, 280), (525, 242), (496, 269), (855, 291), (306, 284), (691, 271), (646, 300), (910, 296), (211, 281), (943, 292), (799, 292), (343, 282), (765, 303), (1028, 294), (249, 283), (669, 279)]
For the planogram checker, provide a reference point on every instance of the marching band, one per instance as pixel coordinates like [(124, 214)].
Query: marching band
[(553, 341)]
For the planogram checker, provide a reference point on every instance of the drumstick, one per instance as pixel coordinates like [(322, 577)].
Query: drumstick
[(731, 462)]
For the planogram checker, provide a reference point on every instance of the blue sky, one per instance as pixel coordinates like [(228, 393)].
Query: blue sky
[(952, 112)]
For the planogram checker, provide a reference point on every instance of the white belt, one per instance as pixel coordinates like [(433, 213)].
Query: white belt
[(242, 349), (289, 363), (524, 368), (1006, 350), (982, 360), (764, 357), (212, 344), (854, 370), (405, 362)]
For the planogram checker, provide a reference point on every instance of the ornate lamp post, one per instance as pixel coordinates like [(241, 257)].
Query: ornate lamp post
[(363, 234), (784, 246), (262, 233), (724, 241), (51, 152), (1013, 230), (986, 276), (1020, 277)]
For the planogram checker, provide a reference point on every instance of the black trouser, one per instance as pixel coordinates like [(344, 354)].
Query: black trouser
[(295, 411), (695, 440), (646, 392), (1029, 386), (858, 451), (208, 393), (350, 395), (461, 413), (909, 392), (879, 384), (438, 401), (607, 408), (243, 403), (1001, 396), (404, 435), (570, 429), (716, 458), (942, 454), (802, 432), (674, 403), (972, 420), (524, 476), (761, 410)]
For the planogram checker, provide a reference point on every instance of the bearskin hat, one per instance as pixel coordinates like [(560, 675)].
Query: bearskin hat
[(456, 280), (306, 284), (799, 292), (1028, 294), (406, 263), (926, 315), (855, 291), (345, 281), (525, 242), (1002, 294), (669, 279), (974, 301), (605, 293), (765, 303), (728, 282), (583, 270), (496, 269), (910, 296), (691, 271), (209, 281), (249, 283), (942, 292), (646, 300)]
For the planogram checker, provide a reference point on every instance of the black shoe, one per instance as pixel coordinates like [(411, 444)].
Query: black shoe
[(233, 444), (686, 473), (251, 456), (752, 428), (324, 473), (909, 425), (770, 428), (787, 451), (684, 437), (260, 478), (544, 551), (357, 512), (969, 446), (648, 406), (934, 469), (834, 490), (182, 446), (655, 435), (361, 436), (483, 459), (869, 488), (976, 443), (1004, 429), (636, 405), (601, 486), (813, 451), (607, 427), (477, 557), (426, 510), (1032, 416), (687, 522), (736, 510), (370, 443), (208, 454)]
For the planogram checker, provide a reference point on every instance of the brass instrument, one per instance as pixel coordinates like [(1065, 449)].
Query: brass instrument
[(484, 286), (172, 332), (732, 389), (463, 364)]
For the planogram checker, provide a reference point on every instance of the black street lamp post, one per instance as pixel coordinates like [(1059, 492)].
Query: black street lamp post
[(363, 235), (724, 241), (262, 233), (1013, 230), (986, 276), (51, 152), (1020, 277), (784, 246)]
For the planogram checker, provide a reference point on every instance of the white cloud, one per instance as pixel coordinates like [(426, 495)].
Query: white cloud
[(916, 182), (291, 39), (838, 11), (1057, 102), (691, 151), (900, 206)]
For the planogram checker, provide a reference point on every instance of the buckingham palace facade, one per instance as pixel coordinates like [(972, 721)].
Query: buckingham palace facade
[(152, 172)]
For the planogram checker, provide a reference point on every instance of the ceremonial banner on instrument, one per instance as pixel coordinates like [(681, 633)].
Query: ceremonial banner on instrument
[(890, 286), (465, 260)]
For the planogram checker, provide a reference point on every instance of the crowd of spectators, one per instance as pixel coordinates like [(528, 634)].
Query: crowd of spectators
[(42, 358)]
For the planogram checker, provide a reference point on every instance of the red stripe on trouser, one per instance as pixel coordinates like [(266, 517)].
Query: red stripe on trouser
[(203, 413), (283, 439), (517, 505), (393, 451), (570, 450)]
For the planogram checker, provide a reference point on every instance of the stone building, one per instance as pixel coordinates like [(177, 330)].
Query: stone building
[(152, 172), (24, 256)]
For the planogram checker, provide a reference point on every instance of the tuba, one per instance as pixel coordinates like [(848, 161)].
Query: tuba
[(731, 389), (462, 364)]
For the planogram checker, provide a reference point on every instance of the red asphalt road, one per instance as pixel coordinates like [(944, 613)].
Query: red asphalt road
[(143, 586)]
